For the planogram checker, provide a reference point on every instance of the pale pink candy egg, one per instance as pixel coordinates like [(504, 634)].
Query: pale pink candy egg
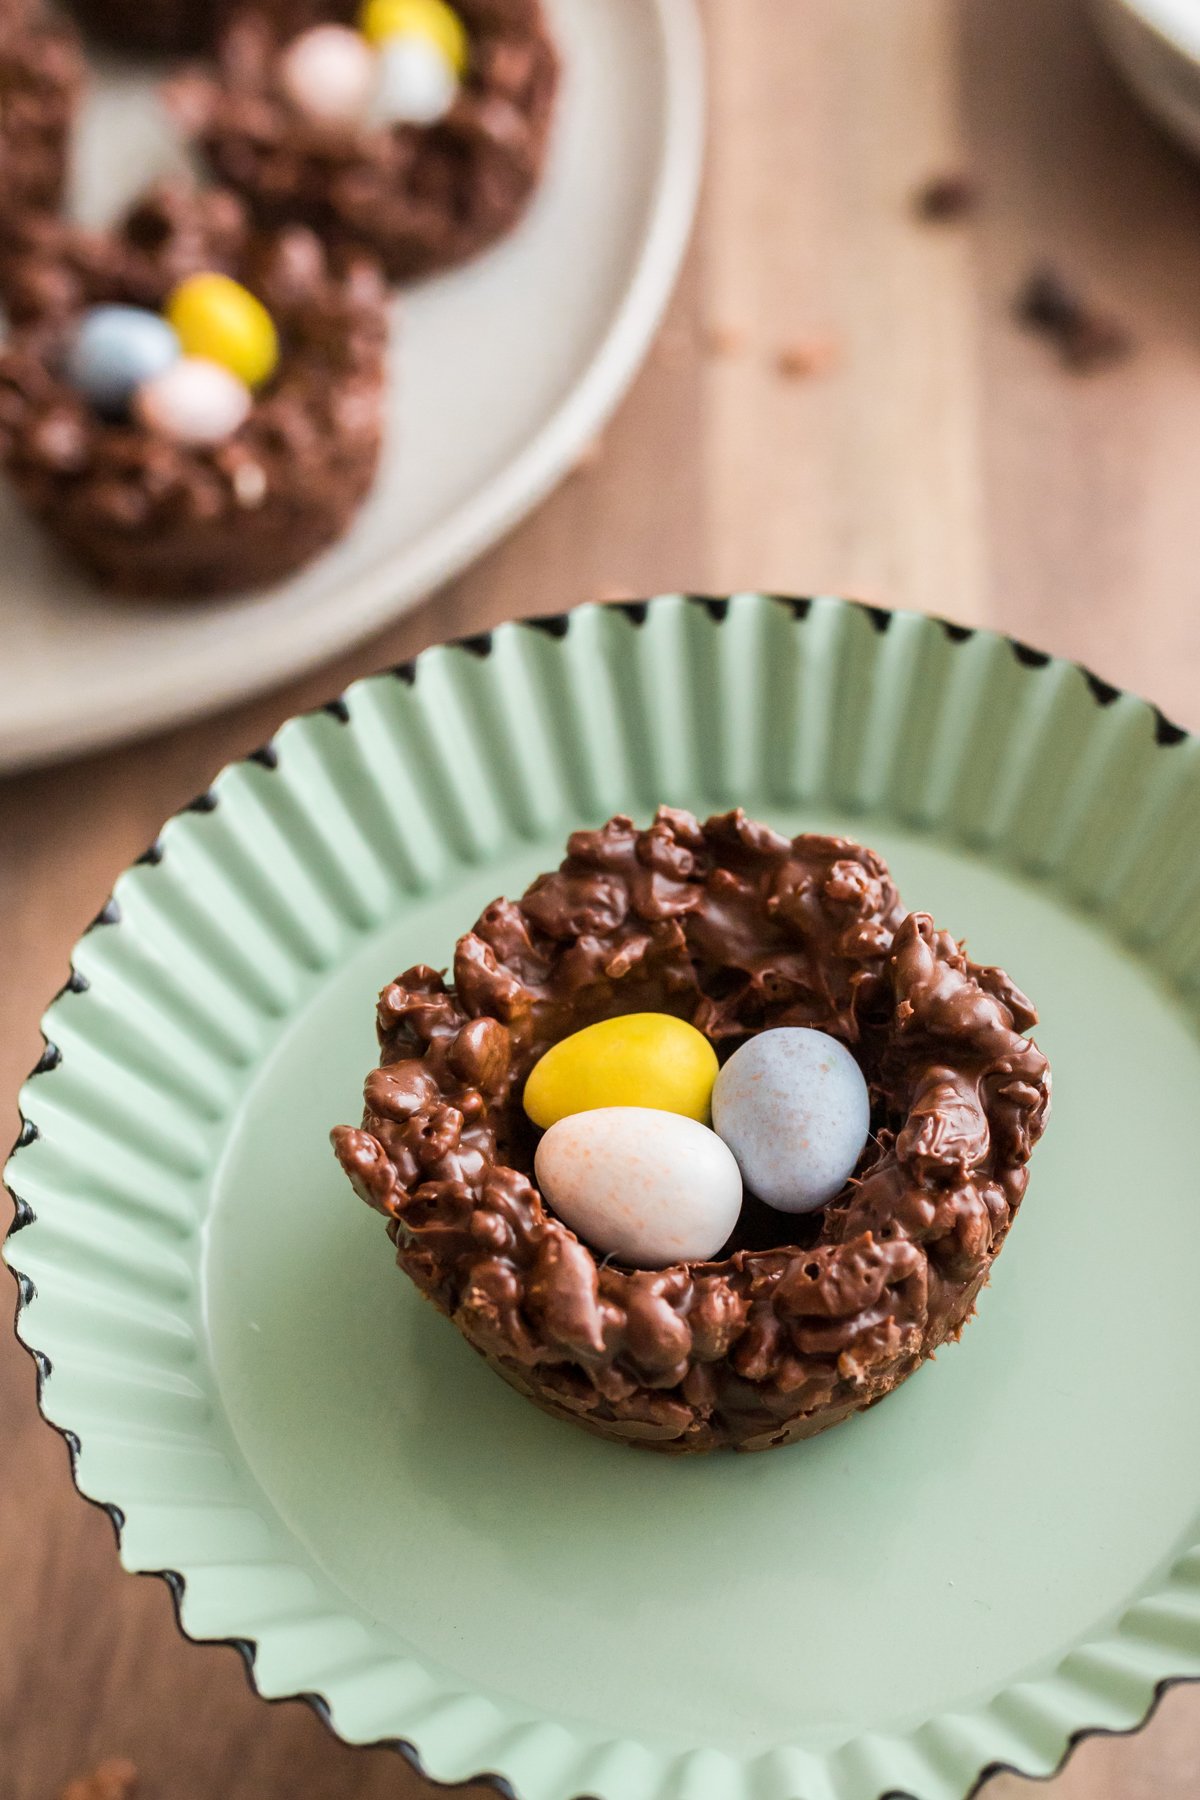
[(329, 73), (650, 1188), (194, 402)]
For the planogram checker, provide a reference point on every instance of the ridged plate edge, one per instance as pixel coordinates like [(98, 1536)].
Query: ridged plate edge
[(1109, 1687)]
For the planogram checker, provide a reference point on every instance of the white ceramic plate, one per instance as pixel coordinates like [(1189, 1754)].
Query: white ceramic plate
[(504, 371), (1157, 46)]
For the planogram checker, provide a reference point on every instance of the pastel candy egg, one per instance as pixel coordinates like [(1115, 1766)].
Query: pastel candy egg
[(650, 1188), (193, 402), (113, 349), (433, 20), (642, 1059), (329, 73), (217, 318), (416, 86), (793, 1106)]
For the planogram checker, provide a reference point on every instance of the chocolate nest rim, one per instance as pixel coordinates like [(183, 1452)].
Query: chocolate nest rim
[(420, 198), (146, 515), (148, 27), (739, 929), (183, 27)]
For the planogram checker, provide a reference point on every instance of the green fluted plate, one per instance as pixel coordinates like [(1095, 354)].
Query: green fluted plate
[(1002, 1557)]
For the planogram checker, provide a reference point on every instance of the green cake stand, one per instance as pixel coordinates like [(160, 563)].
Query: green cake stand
[(1000, 1559)]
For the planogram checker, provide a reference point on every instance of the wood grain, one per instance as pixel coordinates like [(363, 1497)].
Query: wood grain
[(940, 459)]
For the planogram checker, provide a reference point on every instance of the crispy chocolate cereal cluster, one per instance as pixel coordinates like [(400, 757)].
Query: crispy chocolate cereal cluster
[(737, 929)]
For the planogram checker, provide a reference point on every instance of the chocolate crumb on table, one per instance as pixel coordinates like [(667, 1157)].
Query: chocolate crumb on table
[(804, 357), (944, 199), (114, 1779), (725, 340), (1085, 337)]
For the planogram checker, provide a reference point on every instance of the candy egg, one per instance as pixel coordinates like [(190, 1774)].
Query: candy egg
[(380, 20), (329, 73), (113, 349), (417, 85), (650, 1188), (642, 1059), (220, 320), (193, 402), (793, 1106)]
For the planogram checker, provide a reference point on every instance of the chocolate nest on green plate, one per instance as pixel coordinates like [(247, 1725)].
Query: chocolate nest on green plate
[(799, 1322)]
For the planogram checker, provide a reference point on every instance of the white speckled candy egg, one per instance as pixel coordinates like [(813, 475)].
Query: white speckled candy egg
[(329, 73), (650, 1188), (113, 350), (417, 83), (793, 1107), (193, 402)]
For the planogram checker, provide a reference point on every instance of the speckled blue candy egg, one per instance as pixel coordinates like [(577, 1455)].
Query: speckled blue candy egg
[(114, 350), (793, 1107)]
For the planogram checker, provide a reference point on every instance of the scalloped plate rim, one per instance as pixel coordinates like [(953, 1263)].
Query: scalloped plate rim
[(1167, 735)]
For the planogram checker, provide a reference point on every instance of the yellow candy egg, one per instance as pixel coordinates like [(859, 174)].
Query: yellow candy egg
[(217, 318), (643, 1059), (380, 20)]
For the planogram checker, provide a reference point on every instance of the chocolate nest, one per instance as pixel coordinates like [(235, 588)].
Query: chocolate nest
[(421, 198), (41, 78), (143, 513), (800, 1322)]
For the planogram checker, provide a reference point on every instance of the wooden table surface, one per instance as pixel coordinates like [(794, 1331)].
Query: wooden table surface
[(939, 459)]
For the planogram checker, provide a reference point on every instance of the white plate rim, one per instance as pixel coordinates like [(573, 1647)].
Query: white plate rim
[(1170, 19)]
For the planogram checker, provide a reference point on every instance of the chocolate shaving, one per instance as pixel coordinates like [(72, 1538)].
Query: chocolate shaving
[(1085, 338), (115, 1779), (725, 340), (806, 357), (945, 199)]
